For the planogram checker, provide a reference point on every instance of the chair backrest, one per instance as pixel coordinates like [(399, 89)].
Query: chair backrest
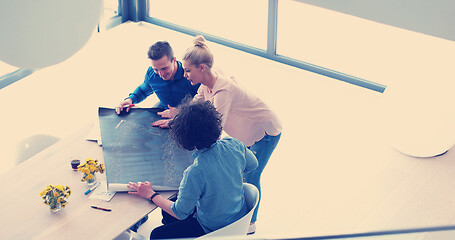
[(33, 145), (239, 227)]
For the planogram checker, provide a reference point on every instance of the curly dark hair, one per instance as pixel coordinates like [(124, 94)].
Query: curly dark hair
[(159, 49), (197, 125)]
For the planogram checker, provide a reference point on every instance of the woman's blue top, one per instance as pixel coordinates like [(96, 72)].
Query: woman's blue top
[(214, 184)]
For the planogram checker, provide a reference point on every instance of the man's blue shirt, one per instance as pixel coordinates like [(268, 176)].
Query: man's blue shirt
[(170, 92)]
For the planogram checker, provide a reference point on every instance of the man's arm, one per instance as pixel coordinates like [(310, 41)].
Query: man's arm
[(145, 89), (127, 101), (139, 94)]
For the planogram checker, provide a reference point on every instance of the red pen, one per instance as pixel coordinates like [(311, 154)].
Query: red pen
[(100, 208), (127, 106)]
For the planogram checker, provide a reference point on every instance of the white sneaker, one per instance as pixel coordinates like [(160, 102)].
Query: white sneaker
[(251, 228)]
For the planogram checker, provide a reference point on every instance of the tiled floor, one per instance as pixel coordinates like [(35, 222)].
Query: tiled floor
[(333, 172)]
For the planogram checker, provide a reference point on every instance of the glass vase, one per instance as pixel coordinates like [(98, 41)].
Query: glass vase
[(92, 180), (57, 207)]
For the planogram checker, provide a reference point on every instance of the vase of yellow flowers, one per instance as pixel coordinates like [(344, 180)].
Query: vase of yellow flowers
[(56, 196), (89, 168)]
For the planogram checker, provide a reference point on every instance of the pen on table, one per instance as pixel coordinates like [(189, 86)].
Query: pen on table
[(92, 188), (100, 208)]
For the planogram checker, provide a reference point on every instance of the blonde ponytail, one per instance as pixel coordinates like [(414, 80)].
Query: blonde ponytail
[(199, 53), (199, 41)]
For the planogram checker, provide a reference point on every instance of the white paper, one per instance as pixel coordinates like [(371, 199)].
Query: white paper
[(101, 192), (119, 187)]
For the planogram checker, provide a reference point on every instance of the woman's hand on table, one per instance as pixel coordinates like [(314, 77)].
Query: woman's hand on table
[(163, 123), (169, 113), (142, 189)]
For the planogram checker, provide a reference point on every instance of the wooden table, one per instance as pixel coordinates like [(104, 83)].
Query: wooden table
[(25, 216)]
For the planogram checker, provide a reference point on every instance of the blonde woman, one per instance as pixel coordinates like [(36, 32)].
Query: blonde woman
[(244, 115)]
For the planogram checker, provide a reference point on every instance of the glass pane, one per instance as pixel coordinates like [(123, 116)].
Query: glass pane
[(333, 40), (110, 9), (237, 20)]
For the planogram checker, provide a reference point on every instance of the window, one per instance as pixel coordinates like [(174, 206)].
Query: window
[(334, 40), (240, 21), (111, 15)]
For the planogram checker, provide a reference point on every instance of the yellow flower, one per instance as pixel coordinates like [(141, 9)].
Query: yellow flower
[(90, 167), (44, 192), (55, 194)]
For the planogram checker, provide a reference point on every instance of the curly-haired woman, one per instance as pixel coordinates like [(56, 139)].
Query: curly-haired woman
[(211, 191)]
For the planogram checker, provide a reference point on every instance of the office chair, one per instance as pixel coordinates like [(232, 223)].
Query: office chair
[(239, 227)]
